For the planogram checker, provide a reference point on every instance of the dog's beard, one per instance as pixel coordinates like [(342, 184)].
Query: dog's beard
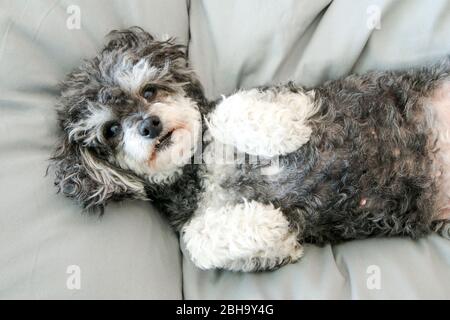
[(161, 158)]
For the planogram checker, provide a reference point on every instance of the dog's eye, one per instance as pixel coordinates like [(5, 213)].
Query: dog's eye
[(111, 129), (149, 92)]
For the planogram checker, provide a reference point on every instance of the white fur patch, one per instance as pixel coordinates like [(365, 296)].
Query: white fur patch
[(241, 237), (263, 123), (178, 114), (99, 115), (131, 77)]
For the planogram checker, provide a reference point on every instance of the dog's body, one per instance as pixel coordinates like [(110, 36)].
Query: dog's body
[(246, 181)]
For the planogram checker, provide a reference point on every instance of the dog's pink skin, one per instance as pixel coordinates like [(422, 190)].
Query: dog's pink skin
[(440, 107)]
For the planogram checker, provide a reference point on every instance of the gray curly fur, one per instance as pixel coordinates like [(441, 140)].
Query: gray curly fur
[(350, 156)]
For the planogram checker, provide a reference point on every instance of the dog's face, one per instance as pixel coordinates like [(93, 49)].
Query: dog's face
[(130, 116)]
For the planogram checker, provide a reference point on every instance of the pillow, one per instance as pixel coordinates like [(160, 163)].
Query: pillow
[(48, 250), (242, 44)]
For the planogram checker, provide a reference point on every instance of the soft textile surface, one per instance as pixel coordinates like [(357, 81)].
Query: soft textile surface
[(130, 252), (241, 44)]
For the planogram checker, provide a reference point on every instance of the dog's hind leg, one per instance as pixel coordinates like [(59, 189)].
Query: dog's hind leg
[(442, 227), (249, 236)]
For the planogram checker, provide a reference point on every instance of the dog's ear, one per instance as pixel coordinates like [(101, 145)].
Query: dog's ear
[(89, 180), (142, 44), (121, 40)]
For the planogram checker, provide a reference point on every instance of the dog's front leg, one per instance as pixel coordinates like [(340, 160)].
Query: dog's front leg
[(248, 236), (265, 123)]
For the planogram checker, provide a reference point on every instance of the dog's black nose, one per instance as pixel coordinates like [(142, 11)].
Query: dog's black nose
[(150, 127)]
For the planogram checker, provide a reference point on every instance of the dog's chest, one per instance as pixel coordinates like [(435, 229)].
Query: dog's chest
[(229, 177)]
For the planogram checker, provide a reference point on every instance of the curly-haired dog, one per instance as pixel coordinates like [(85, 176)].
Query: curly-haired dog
[(364, 156)]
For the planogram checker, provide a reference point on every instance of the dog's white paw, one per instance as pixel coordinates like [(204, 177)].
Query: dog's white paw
[(244, 237), (263, 123), (266, 260)]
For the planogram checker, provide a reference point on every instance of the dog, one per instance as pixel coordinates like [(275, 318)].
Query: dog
[(363, 156)]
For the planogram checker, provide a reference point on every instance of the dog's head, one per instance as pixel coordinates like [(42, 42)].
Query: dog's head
[(130, 116)]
